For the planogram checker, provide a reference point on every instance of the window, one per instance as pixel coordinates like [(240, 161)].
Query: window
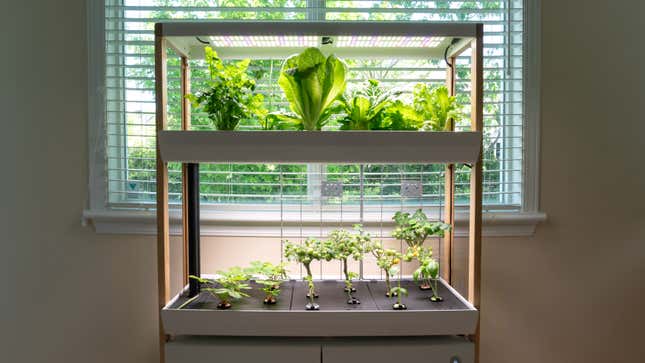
[(123, 166)]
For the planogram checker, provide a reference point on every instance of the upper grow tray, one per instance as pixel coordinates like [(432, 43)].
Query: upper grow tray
[(373, 317), (319, 146)]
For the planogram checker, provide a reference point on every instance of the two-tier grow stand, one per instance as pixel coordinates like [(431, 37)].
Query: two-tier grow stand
[(194, 147)]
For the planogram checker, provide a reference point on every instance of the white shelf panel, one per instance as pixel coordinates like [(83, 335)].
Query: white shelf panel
[(390, 147)]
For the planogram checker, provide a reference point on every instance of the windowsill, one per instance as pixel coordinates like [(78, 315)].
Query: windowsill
[(495, 224)]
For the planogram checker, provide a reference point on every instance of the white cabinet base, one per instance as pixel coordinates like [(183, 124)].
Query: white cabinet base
[(440, 349)]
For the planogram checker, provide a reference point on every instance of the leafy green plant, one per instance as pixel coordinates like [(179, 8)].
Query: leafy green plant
[(307, 252), (400, 116), (227, 287), (311, 83), (423, 274), (436, 107), (270, 276), (415, 228), (433, 270), (398, 291), (348, 245), (364, 108), (231, 96), (388, 261)]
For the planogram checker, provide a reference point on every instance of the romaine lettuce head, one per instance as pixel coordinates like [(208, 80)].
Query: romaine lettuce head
[(312, 82)]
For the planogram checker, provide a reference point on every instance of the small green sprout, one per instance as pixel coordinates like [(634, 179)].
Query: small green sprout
[(398, 291), (228, 286)]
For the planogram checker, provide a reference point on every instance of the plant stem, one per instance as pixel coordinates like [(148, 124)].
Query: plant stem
[(345, 270), (310, 281), (398, 296), (387, 282), (188, 302)]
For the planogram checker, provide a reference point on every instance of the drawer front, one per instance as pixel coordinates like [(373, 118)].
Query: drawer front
[(218, 350), (422, 350)]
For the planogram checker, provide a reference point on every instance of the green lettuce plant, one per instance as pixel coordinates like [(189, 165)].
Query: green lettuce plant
[(270, 276), (231, 96), (364, 107), (307, 252), (400, 116), (227, 287), (311, 83), (436, 107)]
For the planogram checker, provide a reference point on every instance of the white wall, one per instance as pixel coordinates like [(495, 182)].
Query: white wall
[(572, 293)]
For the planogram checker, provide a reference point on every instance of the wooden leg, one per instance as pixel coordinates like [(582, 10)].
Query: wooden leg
[(163, 231)]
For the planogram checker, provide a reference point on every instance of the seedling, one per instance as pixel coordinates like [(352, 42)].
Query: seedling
[(415, 228), (345, 246), (422, 275), (270, 276), (229, 286), (434, 278), (307, 252), (387, 260), (399, 291)]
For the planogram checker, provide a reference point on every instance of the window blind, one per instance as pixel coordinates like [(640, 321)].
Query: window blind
[(130, 109)]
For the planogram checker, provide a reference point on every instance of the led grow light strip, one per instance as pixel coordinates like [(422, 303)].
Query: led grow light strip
[(387, 42), (266, 41)]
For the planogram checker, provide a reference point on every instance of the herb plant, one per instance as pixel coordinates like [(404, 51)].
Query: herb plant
[(229, 286), (311, 83), (415, 228), (307, 252), (270, 276), (231, 96), (436, 107)]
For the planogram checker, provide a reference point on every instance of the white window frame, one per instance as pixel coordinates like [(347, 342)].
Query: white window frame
[(108, 220)]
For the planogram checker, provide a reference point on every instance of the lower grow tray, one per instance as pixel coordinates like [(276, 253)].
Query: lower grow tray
[(373, 317)]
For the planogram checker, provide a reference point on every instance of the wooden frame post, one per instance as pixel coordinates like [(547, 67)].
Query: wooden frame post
[(449, 191), (185, 125), (475, 225), (163, 228)]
